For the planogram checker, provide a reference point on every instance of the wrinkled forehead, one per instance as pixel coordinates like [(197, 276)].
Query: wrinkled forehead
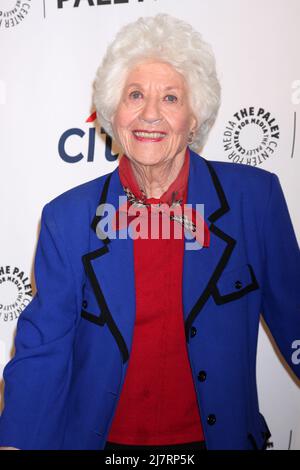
[(156, 72)]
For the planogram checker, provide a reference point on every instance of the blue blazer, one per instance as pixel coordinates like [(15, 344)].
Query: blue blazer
[(73, 340)]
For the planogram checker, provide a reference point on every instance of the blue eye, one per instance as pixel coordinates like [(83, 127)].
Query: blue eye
[(135, 95), (171, 98)]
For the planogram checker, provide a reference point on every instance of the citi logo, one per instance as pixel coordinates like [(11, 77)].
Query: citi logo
[(76, 144), (92, 3)]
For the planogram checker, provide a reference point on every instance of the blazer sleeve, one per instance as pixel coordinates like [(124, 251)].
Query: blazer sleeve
[(37, 378), (281, 282)]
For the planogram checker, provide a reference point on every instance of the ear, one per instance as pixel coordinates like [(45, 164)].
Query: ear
[(193, 124)]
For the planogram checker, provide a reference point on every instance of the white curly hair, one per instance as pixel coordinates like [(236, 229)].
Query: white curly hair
[(168, 39)]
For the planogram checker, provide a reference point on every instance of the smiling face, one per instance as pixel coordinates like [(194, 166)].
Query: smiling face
[(153, 120)]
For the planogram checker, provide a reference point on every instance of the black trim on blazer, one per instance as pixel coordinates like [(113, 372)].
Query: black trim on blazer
[(221, 195), (102, 200), (105, 316), (222, 299), (211, 289), (224, 207), (214, 278), (92, 318)]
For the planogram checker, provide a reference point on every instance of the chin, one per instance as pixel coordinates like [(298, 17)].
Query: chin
[(147, 156), (147, 159)]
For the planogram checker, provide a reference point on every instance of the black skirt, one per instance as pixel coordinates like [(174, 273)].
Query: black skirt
[(189, 446)]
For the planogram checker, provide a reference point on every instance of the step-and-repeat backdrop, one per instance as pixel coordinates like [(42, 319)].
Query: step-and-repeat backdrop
[(49, 53)]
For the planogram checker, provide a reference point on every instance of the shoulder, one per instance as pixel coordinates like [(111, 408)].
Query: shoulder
[(78, 200), (241, 184), (238, 172), (237, 179)]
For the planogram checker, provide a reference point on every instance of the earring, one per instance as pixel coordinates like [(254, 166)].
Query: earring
[(190, 138)]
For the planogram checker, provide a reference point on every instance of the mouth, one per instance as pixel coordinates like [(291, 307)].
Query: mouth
[(149, 136)]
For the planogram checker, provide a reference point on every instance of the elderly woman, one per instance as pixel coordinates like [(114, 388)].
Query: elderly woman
[(141, 341)]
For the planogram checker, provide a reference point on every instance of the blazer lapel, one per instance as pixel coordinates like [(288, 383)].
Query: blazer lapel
[(203, 267), (110, 263), (110, 268)]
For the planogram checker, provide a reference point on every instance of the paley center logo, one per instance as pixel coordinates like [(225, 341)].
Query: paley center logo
[(77, 144), (251, 136), (13, 12), (92, 3), (15, 292)]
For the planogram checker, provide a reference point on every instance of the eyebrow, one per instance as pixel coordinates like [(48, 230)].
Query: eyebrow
[(138, 85)]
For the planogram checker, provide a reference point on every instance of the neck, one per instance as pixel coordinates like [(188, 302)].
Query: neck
[(154, 180)]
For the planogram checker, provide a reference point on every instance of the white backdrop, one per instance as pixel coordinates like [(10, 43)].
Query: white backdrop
[(49, 53)]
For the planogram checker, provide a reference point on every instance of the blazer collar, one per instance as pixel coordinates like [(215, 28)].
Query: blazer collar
[(204, 187), (110, 268)]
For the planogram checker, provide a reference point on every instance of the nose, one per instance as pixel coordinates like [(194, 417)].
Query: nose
[(151, 121), (151, 111)]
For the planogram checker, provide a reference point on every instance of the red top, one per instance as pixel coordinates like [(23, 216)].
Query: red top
[(158, 404)]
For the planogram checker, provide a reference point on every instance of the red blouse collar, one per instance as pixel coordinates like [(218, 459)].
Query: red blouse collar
[(176, 190)]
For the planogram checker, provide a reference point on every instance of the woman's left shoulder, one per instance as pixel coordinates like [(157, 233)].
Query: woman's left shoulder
[(241, 175), (239, 170), (239, 180)]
